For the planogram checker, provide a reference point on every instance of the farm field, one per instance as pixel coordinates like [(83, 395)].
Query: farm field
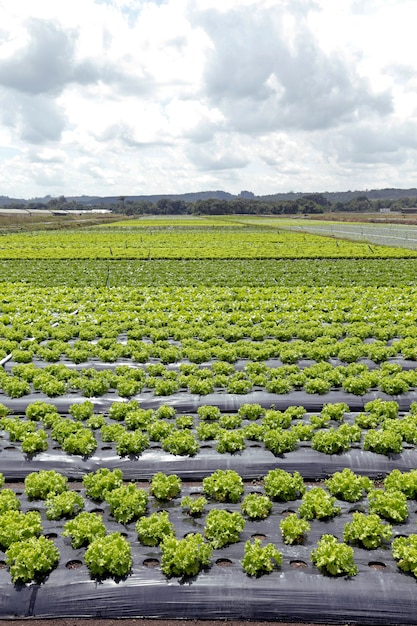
[(224, 428), (181, 242), (385, 234), (211, 273)]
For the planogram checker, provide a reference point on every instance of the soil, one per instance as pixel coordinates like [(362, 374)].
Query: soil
[(152, 622)]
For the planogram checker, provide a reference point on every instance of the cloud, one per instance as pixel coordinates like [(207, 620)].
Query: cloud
[(164, 96), (266, 71), (44, 63), (376, 143), (402, 73), (46, 155), (48, 61), (37, 119), (217, 156), (125, 134)]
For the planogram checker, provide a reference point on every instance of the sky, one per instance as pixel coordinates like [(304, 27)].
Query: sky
[(142, 97)]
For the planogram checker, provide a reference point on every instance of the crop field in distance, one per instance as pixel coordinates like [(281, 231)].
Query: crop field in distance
[(198, 347)]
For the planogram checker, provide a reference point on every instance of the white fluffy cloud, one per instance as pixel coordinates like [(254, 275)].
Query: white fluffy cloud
[(110, 97)]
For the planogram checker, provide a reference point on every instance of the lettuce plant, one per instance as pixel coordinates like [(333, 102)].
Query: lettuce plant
[(318, 504), (222, 527), (404, 551), (4, 410), (160, 429), (127, 502), (256, 506), (259, 560), (15, 387), (17, 526), (96, 421), (153, 529), (164, 486), (110, 432), (348, 486), (335, 411), (303, 432), (81, 442), (109, 556), (208, 412), (65, 504), (180, 442), (209, 430), (165, 411), (223, 486), (63, 428), (38, 409), (402, 481), (35, 442), (276, 419), (335, 440), (230, 441), (39, 485), (8, 501), (293, 528), (17, 428), (126, 387), (131, 443), (251, 411), (334, 558), (84, 528), (184, 421), (366, 531), (31, 559), (369, 420), (279, 441), (82, 411), (383, 442), (139, 419), (282, 485), (391, 505), (100, 482), (194, 506), (185, 557), (230, 421), (119, 410)]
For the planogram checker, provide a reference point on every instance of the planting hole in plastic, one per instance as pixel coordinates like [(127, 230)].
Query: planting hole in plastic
[(151, 562), (74, 564), (377, 565), (298, 564)]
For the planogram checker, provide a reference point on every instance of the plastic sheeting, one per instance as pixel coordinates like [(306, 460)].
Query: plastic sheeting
[(253, 461), (295, 591), (185, 402)]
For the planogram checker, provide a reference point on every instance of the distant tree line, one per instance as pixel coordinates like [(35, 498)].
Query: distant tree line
[(307, 204), (244, 204), (311, 203)]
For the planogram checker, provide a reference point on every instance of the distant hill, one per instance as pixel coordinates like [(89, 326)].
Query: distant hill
[(6, 200), (335, 196), (186, 197), (332, 196), (347, 196)]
